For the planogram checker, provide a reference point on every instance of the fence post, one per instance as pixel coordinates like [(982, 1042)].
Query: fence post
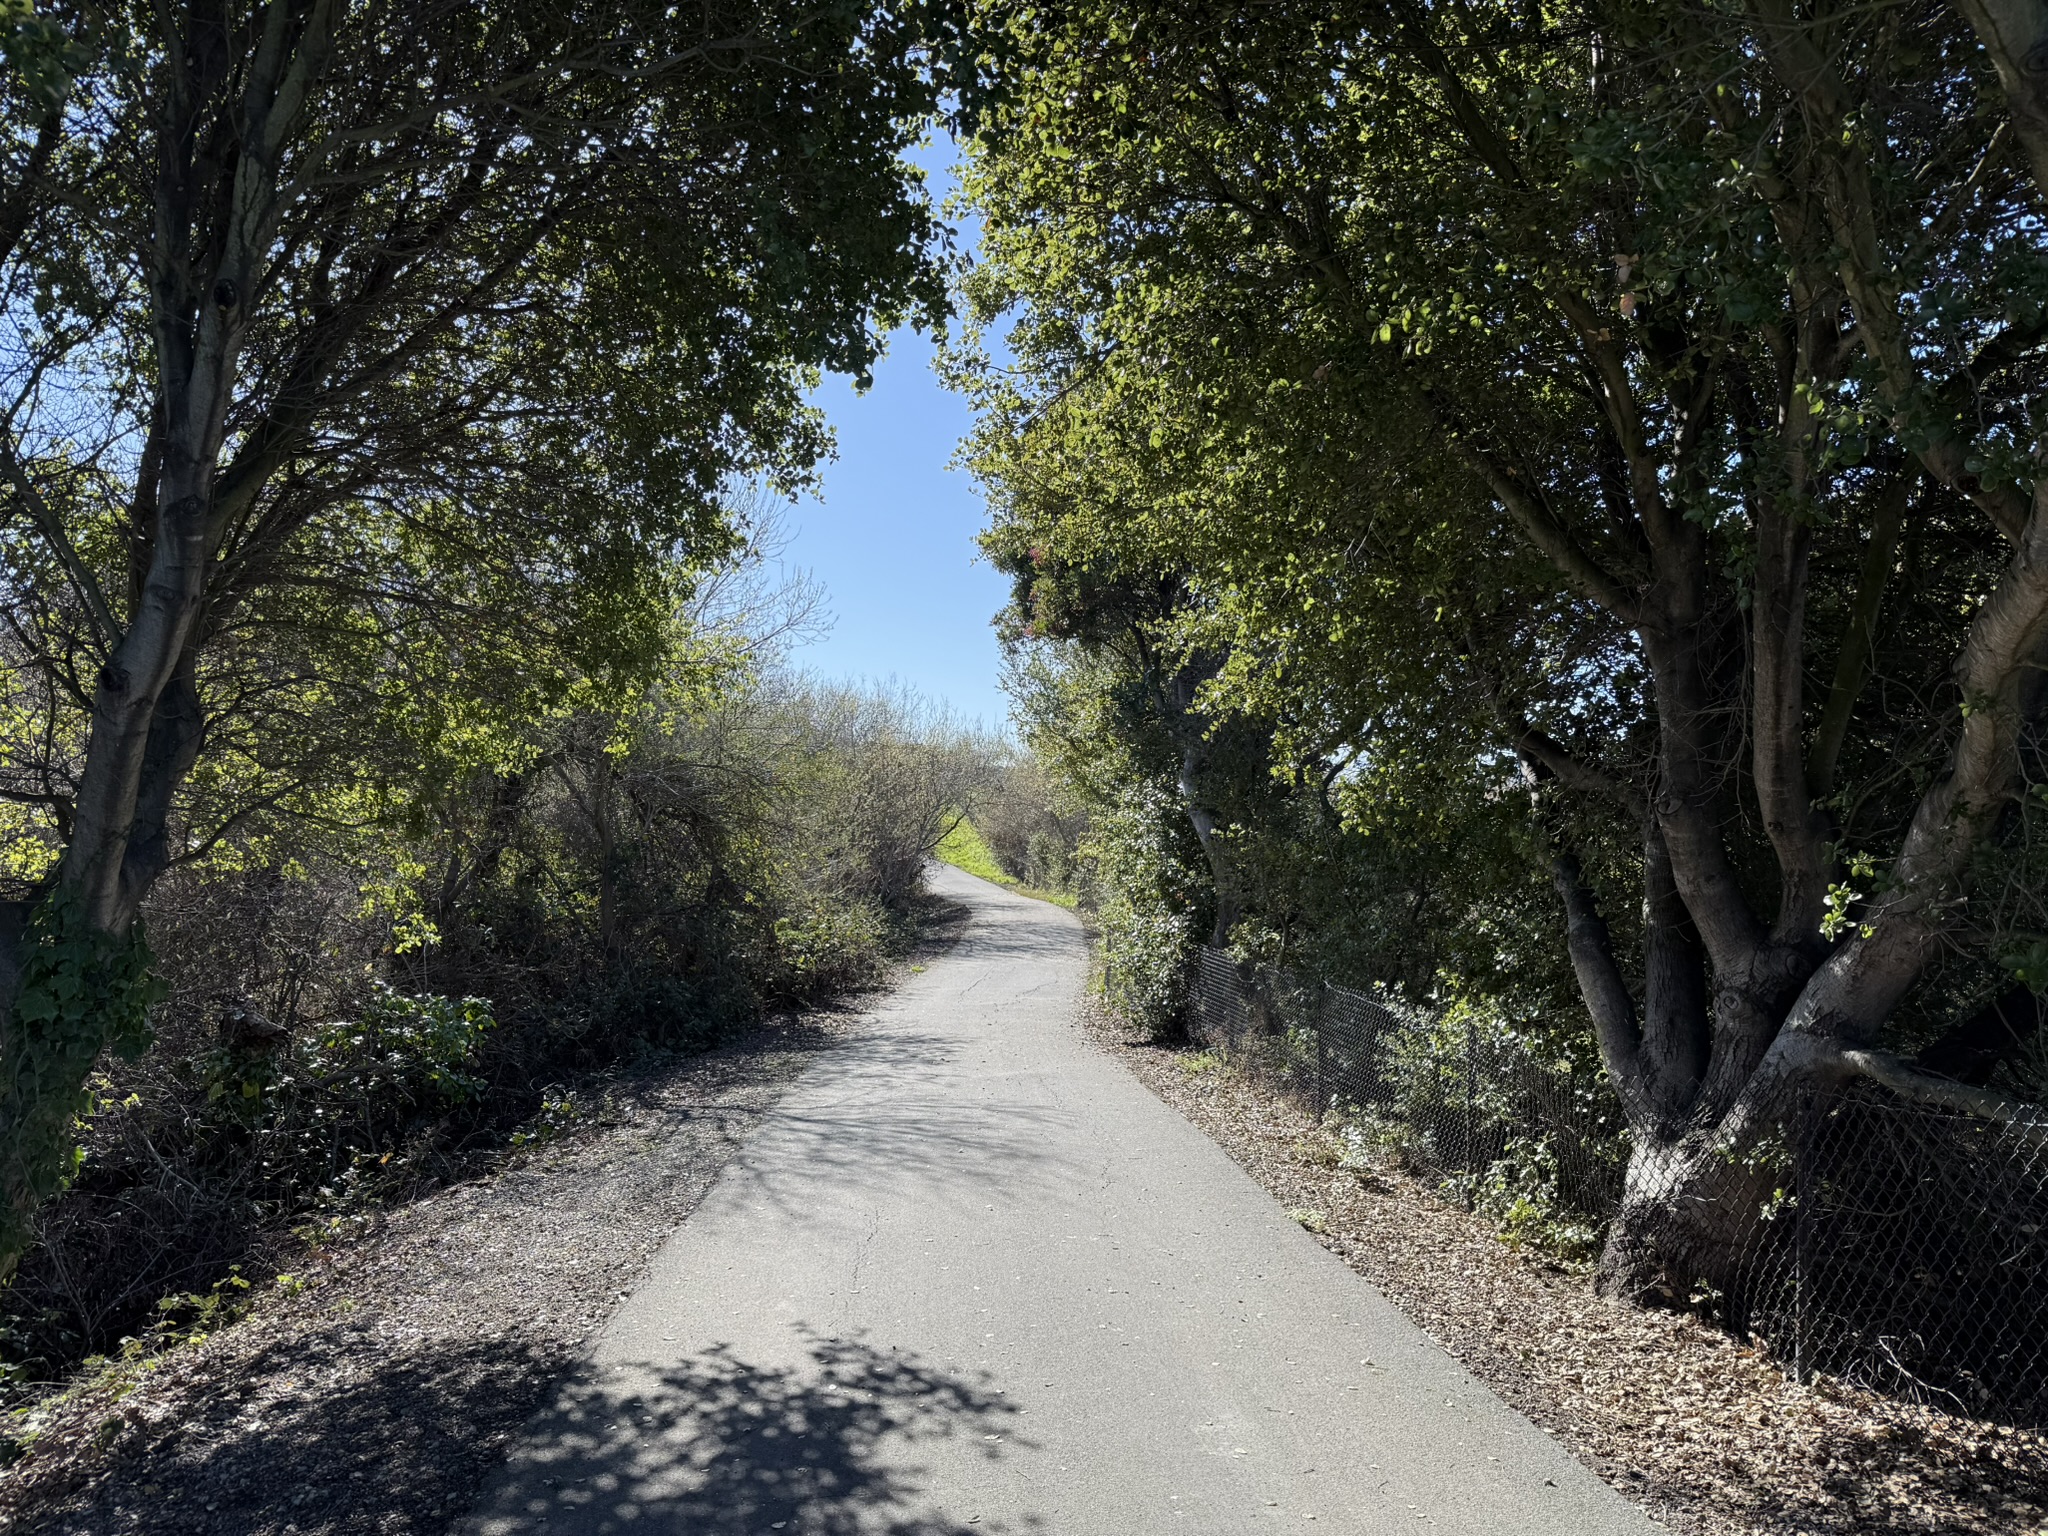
[(1802, 1231), (1322, 1016), (1471, 1157)]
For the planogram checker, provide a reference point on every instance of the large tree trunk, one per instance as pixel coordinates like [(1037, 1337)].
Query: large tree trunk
[(80, 980), (1693, 1216), (145, 734), (75, 979)]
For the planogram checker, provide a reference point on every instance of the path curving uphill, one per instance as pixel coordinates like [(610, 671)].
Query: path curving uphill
[(970, 1277)]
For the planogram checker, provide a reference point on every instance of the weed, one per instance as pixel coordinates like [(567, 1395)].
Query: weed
[(1320, 1151), (191, 1316), (559, 1111)]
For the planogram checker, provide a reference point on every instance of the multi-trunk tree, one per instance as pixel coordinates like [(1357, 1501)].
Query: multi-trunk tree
[(372, 376), (1653, 386)]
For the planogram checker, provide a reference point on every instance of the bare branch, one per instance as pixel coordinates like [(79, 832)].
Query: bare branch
[(1908, 1081)]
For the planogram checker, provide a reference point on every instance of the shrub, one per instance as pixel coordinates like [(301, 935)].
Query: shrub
[(827, 950), (356, 1012), (1152, 891), (362, 1086)]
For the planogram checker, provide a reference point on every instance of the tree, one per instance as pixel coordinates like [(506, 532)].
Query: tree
[(375, 362), (1063, 497), (1649, 387)]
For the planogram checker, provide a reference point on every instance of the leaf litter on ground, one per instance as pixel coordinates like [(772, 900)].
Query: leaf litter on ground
[(1702, 1428)]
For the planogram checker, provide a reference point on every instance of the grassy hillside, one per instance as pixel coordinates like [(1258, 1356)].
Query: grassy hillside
[(965, 848)]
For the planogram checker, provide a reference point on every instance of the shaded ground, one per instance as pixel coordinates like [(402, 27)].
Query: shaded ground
[(379, 1397), (383, 1395), (1704, 1430), (717, 1443), (972, 1278)]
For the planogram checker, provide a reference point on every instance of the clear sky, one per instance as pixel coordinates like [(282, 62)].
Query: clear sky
[(892, 537)]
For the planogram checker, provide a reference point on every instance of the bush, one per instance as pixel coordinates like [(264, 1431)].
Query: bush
[(357, 1014), (828, 951), (1519, 1193), (1152, 890), (1145, 967), (1032, 829), (355, 1090)]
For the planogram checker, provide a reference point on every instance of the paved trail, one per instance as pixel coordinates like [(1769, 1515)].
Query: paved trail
[(970, 1277)]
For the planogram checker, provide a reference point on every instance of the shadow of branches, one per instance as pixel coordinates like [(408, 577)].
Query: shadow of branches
[(717, 1444)]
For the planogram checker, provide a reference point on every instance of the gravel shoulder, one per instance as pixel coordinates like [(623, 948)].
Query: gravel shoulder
[(1703, 1430), (377, 1389)]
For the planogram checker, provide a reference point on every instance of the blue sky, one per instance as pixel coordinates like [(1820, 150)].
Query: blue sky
[(892, 537)]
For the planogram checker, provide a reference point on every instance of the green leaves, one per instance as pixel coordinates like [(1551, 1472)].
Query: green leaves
[(80, 991), (417, 1046), (44, 59), (476, 433), (1409, 362)]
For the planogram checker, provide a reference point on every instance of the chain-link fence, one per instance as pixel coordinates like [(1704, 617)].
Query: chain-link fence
[(1898, 1246)]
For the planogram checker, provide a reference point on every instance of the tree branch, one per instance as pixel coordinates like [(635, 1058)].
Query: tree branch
[(1859, 635), (51, 526), (1550, 537), (1570, 771), (1862, 982), (2015, 34), (1909, 1082)]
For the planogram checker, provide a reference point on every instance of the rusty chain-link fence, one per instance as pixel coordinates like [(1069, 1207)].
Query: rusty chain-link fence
[(1890, 1244)]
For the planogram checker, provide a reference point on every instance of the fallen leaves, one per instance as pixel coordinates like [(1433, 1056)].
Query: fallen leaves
[(1701, 1427)]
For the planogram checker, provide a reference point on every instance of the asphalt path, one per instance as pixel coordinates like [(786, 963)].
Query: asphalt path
[(971, 1277)]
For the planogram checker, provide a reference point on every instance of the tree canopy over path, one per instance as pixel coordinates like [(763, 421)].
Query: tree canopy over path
[(372, 378), (1611, 424)]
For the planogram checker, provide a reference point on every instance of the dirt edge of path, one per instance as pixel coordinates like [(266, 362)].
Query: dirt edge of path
[(377, 1387), (1704, 1431)]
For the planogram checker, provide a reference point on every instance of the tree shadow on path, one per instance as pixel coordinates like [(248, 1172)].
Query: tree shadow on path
[(716, 1445)]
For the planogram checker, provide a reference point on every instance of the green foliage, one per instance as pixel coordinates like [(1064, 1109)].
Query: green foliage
[(1518, 1192), (1378, 372), (416, 1046), (79, 991), (354, 1077), (1151, 890), (43, 57), (827, 950), (77, 983), (1045, 869), (483, 438), (191, 1316), (559, 1112)]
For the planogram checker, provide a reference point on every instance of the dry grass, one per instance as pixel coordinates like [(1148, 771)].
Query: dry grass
[(1703, 1429)]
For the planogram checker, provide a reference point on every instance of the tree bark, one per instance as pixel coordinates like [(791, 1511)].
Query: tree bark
[(1676, 1037), (1189, 729)]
